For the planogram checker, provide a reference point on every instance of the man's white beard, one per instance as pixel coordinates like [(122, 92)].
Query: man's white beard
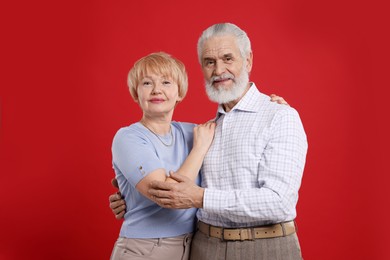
[(222, 95)]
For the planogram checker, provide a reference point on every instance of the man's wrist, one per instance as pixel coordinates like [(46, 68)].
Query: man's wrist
[(199, 199)]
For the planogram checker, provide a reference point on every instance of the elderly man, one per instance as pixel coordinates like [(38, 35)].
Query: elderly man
[(252, 172)]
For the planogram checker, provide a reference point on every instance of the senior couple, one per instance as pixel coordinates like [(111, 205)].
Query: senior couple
[(226, 189)]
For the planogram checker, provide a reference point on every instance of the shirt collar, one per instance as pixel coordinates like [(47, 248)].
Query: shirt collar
[(248, 103)]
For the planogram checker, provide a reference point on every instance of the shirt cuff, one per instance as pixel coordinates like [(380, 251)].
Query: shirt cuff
[(212, 200)]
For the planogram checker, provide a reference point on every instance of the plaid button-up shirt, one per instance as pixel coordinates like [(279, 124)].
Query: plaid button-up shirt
[(253, 170)]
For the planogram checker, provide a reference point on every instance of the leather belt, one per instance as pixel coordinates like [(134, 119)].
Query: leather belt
[(250, 233)]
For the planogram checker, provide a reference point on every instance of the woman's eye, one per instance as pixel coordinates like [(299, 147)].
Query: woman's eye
[(166, 82), (147, 83)]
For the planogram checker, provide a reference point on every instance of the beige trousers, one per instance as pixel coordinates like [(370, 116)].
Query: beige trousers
[(172, 248)]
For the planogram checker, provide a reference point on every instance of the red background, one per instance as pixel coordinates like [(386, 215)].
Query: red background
[(64, 95)]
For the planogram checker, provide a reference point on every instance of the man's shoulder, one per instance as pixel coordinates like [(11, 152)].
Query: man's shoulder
[(269, 111), (269, 106)]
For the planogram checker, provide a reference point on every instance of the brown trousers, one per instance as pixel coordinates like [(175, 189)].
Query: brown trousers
[(279, 248)]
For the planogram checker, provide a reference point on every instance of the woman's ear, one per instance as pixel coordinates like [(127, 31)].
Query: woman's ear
[(136, 99), (178, 100)]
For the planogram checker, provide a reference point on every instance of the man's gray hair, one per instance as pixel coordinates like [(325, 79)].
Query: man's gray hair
[(222, 29)]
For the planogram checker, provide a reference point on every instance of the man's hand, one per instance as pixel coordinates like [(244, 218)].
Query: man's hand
[(117, 204), (182, 195), (279, 100)]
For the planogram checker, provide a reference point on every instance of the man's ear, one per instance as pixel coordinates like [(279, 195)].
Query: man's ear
[(249, 62)]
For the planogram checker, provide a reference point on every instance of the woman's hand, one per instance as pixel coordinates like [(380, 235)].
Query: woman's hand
[(279, 100), (204, 135)]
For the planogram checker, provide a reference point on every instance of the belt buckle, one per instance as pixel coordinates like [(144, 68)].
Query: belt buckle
[(249, 233)]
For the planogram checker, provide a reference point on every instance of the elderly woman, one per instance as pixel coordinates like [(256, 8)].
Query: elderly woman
[(146, 151)]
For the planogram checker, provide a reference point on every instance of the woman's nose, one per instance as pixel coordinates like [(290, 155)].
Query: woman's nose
[(156, 89)]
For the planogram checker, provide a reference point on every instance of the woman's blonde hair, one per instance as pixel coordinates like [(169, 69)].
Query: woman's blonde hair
[(160, 63)]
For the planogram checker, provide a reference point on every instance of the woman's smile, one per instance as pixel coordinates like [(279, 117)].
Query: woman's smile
[(156, 100)]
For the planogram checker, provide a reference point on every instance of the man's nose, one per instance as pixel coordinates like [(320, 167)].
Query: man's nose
[(220, 68)]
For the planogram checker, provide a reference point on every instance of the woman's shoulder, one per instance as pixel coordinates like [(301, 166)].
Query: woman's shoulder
[(133, 130), (184, 126)]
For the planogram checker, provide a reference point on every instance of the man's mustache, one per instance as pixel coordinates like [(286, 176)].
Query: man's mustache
[(221, 77)]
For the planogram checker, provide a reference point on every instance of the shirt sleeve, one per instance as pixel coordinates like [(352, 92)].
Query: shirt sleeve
[(134, 155), (280, 172)]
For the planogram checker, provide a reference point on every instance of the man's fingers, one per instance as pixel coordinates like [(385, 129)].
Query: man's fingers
[(119, 209), (159, 185), (114, 197), (114, 183), (178, 177), (169, 203), (163, 201), (117, 203), (164, 204), (120, 215), (158, 194)]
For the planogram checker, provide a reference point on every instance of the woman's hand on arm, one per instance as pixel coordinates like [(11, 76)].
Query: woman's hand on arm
[(203, 137)]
